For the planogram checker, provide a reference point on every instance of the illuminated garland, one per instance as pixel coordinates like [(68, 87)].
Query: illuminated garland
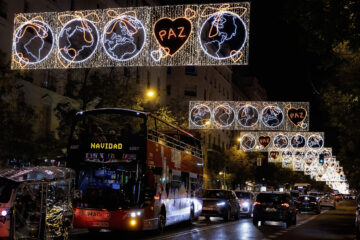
[(284, 141), (256, 116), (176, 35)]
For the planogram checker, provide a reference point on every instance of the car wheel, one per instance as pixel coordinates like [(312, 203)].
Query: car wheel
[(255, 221), (288, 222), (227, 216), (294, 220), (192, 215), (237, 215)]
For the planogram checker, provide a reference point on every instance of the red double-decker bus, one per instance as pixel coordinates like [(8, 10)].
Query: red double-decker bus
[(135, 171)]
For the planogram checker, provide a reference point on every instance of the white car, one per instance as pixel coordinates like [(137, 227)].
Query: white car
[(246, 201), (328, 201)]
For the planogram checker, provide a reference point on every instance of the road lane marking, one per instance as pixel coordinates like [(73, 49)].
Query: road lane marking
[(278, 234), (194, 230)]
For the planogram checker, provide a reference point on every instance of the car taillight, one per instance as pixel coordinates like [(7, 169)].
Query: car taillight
[(285, 205), (298, 202), (313, 203), (256, 203)]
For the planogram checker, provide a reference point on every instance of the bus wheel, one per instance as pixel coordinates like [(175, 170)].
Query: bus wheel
[(161, 221), (192, 214)]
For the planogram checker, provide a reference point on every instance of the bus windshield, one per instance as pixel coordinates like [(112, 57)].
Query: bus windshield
[(108, 151), (110, 186)]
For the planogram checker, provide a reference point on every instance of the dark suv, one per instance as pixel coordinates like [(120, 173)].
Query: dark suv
[(220, 203), (272, 206), (308, 203)]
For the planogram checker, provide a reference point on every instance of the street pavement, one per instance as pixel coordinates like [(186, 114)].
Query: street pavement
[(329, 225)]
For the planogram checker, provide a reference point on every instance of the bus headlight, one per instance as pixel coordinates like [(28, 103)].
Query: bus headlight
[(135, 214), (4, 213)]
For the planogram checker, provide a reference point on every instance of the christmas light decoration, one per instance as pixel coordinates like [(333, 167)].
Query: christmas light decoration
[(284, 141), (175, 35), (33, 41), (257, 116)]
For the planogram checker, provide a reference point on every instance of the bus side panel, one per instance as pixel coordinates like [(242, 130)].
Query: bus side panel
[(176, 201), (175, 159)]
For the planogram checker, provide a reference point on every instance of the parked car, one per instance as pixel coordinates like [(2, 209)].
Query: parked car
[(220, 203), (246, 200), (308, 203), (328, 201), (274, 206)]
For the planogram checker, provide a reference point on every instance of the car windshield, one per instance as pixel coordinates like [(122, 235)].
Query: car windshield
[(271, 198), (243, 195), (307, 199), (6, 188), (214, 194)]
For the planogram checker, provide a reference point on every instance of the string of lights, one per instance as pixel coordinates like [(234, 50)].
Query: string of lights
[(251, 116), (176, 35)]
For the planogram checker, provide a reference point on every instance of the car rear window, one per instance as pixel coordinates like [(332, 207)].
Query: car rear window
[(214, 194), (271, 198), (244, 195), (307, 198)]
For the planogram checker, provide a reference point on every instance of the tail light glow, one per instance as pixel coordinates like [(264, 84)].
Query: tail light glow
[(285, 205), (256, 203)]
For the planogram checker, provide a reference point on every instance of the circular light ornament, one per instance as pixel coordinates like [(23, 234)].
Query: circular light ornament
[(248, 142), (286, 155), (224, 115), (272, 116), (33, 42), (311, 156), (124, 38), (315, 142), (281, 141), (298, 141), (223, 35), (78, 40), (299, 155), (326, 153), (247, 116), (200, 115)]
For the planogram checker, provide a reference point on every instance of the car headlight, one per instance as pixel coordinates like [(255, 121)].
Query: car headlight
[(245, 204), (4, 213), (220, 204)]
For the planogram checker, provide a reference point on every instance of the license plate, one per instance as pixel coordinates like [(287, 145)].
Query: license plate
[(305, 203), (100, 224), (270, 209), (98, 215), (208, 208)]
